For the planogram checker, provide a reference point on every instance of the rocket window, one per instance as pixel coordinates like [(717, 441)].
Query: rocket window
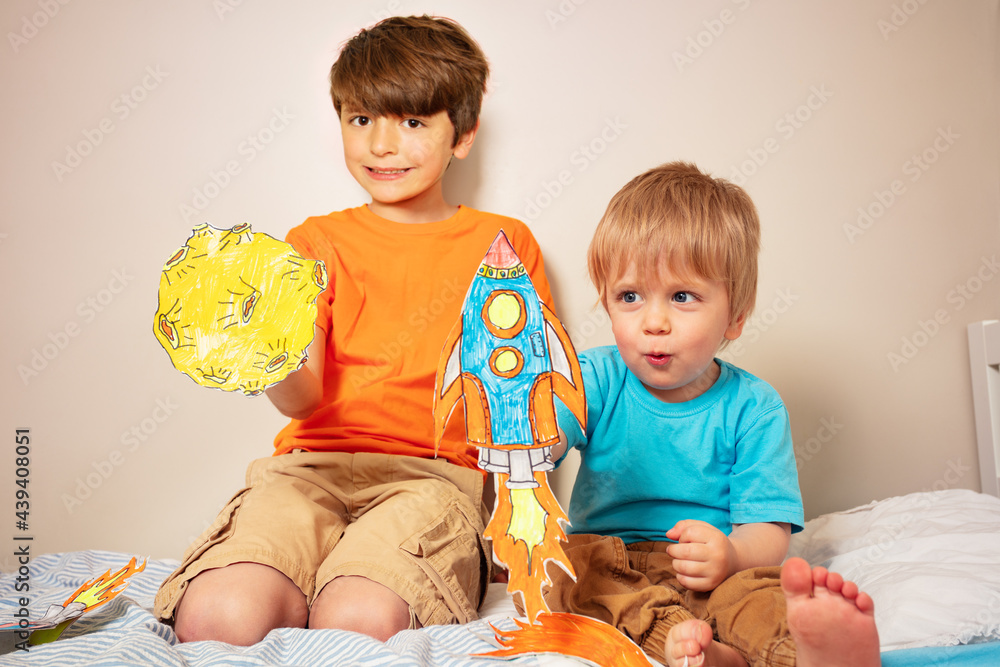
[(504, 313), (506, 362)]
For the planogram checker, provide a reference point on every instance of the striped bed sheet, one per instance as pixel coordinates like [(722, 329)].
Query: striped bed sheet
[(930, 560), (124, 632)]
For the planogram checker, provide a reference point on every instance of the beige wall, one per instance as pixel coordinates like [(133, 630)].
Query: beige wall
[(821, 109)]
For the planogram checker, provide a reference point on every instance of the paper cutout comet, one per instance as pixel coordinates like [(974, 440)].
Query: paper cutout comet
[(591, 641), (237, 308), (89, 596), (505, 359)]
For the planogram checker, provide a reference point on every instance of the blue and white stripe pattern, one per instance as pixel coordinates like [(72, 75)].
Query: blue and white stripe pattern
[(124, 633)]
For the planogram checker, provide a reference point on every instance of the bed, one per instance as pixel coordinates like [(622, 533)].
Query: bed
[(931, 561)]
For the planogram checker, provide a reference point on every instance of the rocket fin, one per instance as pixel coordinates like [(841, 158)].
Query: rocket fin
[(567, 378), (448, 386), (478, 431), (542, 410)]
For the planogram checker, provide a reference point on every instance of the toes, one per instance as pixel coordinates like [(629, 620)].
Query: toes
[(687, 647), (688, 641), (705, 635), (692, 660), (819, 575), (850, 590), (796, 578), (865, 603), (834, 582), (684, 631), (688, 651), (697, 633)]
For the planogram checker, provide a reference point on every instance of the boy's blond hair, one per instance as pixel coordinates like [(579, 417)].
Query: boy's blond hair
[(412, 65), (676, 214)]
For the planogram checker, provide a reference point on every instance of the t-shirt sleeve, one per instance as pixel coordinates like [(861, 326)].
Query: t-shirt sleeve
[(575, 436), (764, 485), (594, 389)]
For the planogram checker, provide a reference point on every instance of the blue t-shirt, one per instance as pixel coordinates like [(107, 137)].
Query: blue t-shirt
[(724, 457)]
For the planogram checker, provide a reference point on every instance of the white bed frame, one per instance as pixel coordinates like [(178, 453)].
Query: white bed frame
[(984, 357)]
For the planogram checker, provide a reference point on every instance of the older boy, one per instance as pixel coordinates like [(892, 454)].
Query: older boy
[(354, 523), (687, 487)]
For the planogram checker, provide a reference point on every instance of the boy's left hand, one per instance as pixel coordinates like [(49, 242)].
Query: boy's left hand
[(702, 556)]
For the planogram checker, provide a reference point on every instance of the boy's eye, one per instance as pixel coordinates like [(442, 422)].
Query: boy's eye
[(629, 297), (684, 297), (360, 121), (413, 123)]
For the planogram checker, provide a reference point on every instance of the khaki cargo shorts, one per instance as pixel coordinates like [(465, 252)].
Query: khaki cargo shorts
[(414, 525), (634, 587)]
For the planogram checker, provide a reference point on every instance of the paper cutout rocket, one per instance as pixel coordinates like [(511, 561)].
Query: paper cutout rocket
[(506, 359)]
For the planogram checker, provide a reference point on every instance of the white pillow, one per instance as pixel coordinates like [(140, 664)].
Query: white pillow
[(931, 562)]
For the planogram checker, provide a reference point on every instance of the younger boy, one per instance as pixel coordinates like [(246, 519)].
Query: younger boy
[(355, 523), (687, 489)]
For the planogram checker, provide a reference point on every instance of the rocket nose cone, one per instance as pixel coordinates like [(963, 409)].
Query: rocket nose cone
[(500, 254)]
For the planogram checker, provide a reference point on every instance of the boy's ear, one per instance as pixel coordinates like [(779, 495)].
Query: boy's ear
[(464, 144), (735, 328)]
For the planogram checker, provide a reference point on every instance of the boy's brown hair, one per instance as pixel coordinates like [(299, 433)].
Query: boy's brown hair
[(693, 222), (417, 65)]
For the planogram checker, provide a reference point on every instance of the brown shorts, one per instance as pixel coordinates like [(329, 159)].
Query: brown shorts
[(634, 588), (414, 525)]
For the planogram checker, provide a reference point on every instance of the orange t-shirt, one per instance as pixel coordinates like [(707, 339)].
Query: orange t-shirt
[(395, 292)]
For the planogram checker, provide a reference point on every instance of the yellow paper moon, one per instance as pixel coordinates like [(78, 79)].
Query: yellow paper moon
[(237, 308)]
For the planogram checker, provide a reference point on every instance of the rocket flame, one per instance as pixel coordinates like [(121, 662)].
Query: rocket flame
[(104, 588), (527, 518), (526, 532), (569, 634)]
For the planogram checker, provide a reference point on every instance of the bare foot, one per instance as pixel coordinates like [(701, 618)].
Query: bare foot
[(833, 623), (692, 641)]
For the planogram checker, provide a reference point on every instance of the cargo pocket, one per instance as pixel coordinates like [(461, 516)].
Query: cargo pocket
[(173, 587), (221, 528), (451, 551)]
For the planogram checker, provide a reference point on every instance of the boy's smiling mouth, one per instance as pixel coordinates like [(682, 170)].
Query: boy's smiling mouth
[(375, 171)]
